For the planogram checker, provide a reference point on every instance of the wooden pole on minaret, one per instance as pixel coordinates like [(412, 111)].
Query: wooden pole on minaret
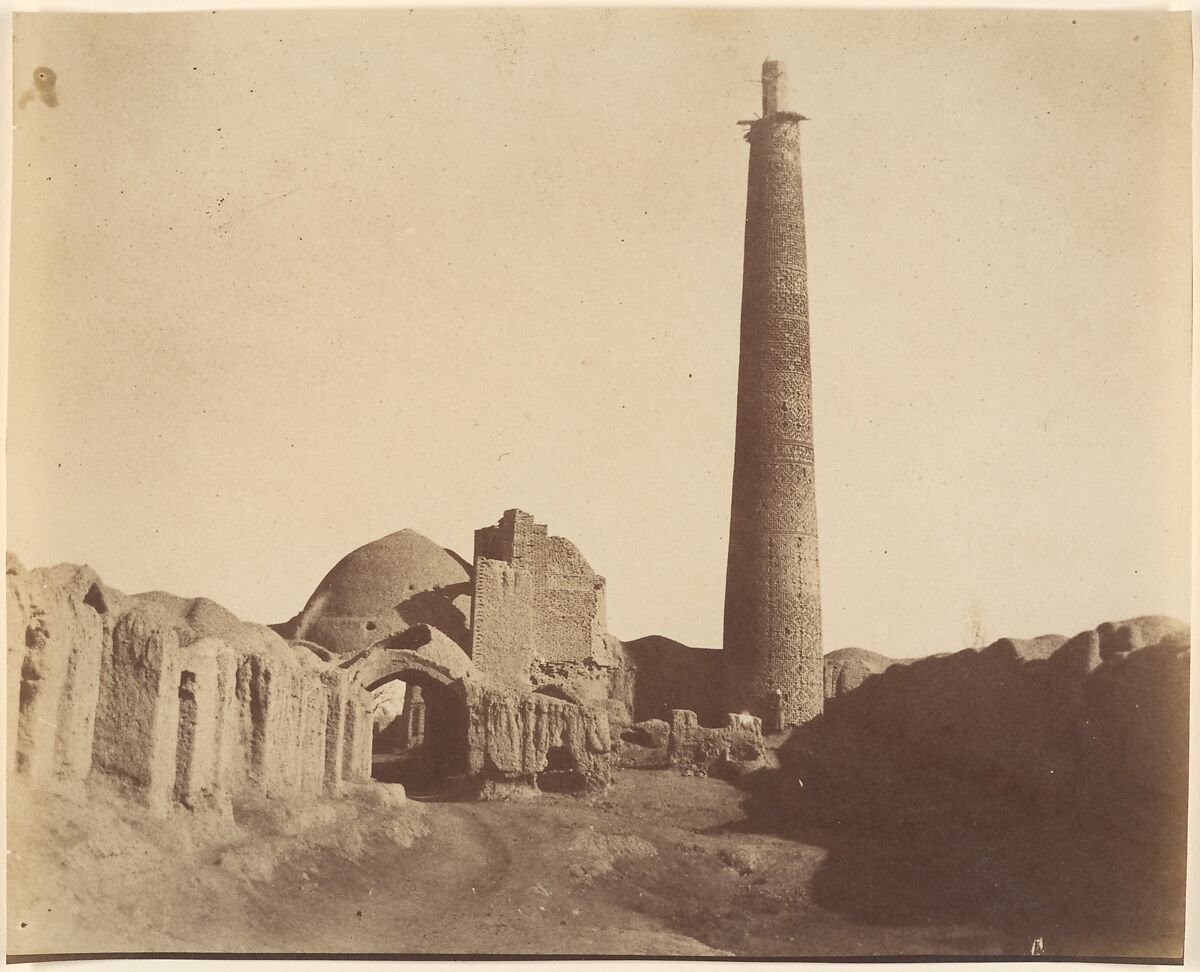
[(774, 659)]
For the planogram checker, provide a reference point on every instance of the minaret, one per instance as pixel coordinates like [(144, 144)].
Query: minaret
[(775, 666)]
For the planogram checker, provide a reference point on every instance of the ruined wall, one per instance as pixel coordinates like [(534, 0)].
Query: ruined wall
[(57, 626), (1102, 717), (503, 635), (535, 739), (538, 610), (667, 675), (847, 668), (772, 596), (573, 606), (681, 741), (176, 698)]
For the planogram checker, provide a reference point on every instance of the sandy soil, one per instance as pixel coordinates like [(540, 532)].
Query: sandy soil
[(658, 865)]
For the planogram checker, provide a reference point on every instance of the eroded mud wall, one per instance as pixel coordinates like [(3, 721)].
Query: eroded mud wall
[(517, 737), (1106, 713), (177, 699)]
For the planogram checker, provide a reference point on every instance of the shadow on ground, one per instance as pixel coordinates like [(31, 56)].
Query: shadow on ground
[(910, 843)]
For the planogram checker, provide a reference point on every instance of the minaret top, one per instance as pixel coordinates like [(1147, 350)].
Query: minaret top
[(774, 99), (774, 87)]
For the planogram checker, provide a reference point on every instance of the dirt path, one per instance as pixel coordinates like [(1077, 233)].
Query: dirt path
[(651, 868), (487, 879), (656, 866)]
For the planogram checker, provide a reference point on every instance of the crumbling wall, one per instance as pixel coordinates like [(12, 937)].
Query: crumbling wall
[(644, 745), (503, 608), (536, 739), (137, 715), (305, 726), (204, 722), (56, 631), (847, 668), (572, 608), (177, 698), (1105, 713), (684, 743), (740, 740), (337, 692), (539, 616)]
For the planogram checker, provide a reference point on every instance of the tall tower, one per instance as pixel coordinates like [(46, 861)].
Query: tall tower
[(775, 666)]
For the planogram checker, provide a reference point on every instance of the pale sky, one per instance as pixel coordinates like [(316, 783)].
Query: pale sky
[(287, 282)]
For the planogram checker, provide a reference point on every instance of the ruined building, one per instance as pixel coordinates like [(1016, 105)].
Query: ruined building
[(510, 673), (773, 663)]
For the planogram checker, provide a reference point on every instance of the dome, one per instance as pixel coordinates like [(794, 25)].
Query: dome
[(386, 587)]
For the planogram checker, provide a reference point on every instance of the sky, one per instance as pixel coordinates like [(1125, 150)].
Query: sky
[(286, 282)]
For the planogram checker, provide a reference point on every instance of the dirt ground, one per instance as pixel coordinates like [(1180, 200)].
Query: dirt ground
[(660, 864)]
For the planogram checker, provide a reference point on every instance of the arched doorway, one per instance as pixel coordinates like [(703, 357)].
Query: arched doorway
[(425, 745), (418, 678)]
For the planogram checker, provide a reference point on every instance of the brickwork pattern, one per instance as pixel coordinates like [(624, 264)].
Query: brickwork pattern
[(535, 601), (503, 606), (774, 666)]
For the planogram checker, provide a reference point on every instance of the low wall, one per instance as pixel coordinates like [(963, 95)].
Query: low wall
[(687, 745)]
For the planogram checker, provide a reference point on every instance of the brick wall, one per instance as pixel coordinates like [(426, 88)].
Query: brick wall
[(535, 600)]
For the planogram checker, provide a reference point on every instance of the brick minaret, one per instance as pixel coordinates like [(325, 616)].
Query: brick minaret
[(775, 667)]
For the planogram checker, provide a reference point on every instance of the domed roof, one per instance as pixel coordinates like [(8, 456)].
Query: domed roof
[(363, 598), (381, 574)]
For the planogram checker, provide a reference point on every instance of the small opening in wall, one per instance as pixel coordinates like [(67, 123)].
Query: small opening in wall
[(561, 774), (95, 600), (637, 736)]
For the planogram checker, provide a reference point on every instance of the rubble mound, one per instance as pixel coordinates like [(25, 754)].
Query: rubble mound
[(198, 617)]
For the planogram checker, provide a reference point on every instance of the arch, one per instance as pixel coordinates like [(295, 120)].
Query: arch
[(428, 751), (385, 665)]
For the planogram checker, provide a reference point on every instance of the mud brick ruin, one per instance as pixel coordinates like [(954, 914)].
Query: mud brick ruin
[(176, 699), (509, 673)]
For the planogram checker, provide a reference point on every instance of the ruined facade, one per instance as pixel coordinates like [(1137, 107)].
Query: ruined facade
[(538, 610), (772, 632), (506, 662)]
